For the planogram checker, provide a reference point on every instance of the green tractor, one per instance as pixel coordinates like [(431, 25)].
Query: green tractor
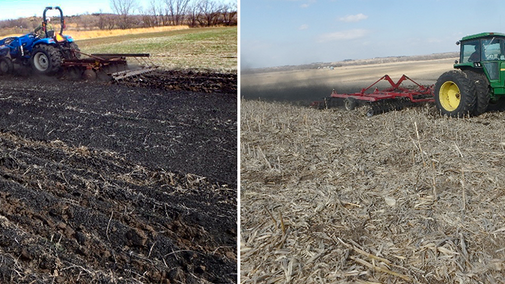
[(478, 79)]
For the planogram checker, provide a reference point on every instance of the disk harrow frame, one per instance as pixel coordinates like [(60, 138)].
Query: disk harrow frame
[(394, 97), (108, 66)]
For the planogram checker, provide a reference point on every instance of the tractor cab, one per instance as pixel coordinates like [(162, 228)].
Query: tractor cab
[(485, 53), (482, 47)]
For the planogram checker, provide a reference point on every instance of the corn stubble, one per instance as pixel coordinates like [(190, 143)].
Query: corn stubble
[(405, 197)]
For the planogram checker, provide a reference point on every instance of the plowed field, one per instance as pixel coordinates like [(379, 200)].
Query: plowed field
[(118, 183)]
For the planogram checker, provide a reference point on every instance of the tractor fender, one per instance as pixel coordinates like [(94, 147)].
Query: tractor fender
[(48, 41), (69, 38), (38, 42)]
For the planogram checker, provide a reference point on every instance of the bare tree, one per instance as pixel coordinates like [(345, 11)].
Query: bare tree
[(193, 12), (154, 12), (229, 14), (124, 8), (106, 21), (209, 12), (101, 21), (176, 9)]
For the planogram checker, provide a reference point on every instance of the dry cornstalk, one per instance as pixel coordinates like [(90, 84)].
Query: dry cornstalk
[(364, 253), (380, 269)]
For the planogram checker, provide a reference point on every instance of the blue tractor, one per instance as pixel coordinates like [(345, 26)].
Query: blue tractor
[(44, 53)]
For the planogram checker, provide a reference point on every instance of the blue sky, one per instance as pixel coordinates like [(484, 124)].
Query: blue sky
[(293, 32), (13, 9)]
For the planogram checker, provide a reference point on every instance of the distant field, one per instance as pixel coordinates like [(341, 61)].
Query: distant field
[(80, 35), (87, 34), (313, 84), (201, 48)]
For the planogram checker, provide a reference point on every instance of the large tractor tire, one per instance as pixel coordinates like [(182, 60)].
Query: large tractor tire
[(6, 66), (46, 60), (455, 94), (482, 91), (75, 55)]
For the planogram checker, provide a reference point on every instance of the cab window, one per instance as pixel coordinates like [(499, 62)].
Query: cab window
[(493, 49), (470, 51)]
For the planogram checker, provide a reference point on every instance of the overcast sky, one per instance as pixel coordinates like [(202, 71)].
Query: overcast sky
[(293, 32)]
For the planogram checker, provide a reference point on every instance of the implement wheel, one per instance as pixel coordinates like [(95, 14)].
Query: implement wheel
[(455, 94), (350, 103), (89, 74)]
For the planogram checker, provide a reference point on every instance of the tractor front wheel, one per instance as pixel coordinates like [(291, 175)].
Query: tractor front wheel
[(6, 66), (46, 59), (455, 94)]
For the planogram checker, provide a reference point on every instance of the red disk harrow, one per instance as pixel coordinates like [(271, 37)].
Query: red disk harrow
[(104, 66), (395, 97)]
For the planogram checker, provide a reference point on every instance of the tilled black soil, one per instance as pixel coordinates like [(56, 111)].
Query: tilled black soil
[(187, 80), (109, 183)]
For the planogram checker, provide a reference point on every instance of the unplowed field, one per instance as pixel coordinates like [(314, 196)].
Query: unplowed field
[(118, 183), (333, 196)]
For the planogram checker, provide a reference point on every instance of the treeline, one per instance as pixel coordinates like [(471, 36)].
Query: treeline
[(194, 13), (352, 62), (129, 14)]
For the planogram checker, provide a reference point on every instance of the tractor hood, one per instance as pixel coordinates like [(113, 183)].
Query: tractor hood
[(4, 50)]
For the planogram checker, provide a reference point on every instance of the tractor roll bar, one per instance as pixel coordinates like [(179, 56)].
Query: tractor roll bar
[(62, 20)]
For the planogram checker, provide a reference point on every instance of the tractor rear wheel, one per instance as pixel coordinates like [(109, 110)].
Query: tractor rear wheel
[(75, 54), (482, 91), (6, 66), (46, 59), (455, 94)]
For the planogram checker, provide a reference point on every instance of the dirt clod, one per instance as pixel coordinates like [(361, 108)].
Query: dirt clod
[(136, 238)]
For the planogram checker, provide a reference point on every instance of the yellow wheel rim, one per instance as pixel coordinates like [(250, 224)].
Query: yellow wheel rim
[(449, 96)]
